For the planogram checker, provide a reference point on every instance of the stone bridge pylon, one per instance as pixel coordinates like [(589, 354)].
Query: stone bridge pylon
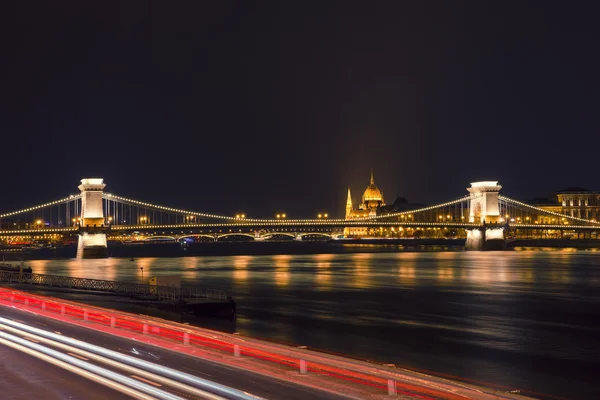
[(484, 209), (92, 228)]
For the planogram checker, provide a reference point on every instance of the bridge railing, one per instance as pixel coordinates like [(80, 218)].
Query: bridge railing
[(161, 293)]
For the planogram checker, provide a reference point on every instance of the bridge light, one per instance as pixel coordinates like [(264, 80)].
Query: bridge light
[(320, 216), (278, 215), (283, 215), (325, 215)]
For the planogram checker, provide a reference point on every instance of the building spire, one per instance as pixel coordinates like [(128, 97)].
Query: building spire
[(372, 179), (349, 205)]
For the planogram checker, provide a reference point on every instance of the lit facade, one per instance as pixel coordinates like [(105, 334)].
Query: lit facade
[(372, 200), (574, 202)]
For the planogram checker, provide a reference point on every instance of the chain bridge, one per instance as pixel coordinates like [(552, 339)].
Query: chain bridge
[(484, 217)]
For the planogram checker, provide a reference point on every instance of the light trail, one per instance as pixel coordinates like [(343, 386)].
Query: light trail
[(144, 376), (105, 377), (204, 384)]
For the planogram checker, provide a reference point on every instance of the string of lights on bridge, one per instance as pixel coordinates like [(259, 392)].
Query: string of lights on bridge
[(72, 197), (236, 221), (238, 218), (541, 210)]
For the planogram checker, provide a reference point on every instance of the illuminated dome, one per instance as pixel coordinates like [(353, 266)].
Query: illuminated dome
[(372, 193)]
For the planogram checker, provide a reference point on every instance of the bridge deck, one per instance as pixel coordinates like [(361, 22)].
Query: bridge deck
[(187, 294)]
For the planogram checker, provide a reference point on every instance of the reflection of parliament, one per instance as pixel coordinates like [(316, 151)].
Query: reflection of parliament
[(572, 201)]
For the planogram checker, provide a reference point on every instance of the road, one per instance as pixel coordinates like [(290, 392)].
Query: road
[(25, 377)]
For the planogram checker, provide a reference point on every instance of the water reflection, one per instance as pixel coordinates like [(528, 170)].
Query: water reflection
[(360, 265), (38, 266), (323, 271), (282, 266), (240, 268), (144, 268), (406, 275)]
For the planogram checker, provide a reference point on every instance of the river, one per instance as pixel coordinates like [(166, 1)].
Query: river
[(526, 320)]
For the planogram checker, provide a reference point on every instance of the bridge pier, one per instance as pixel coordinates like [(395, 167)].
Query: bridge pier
[(486, 238), (92, 229), (484, 209)]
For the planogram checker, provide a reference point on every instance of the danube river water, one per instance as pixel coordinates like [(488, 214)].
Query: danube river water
[(524, 320)]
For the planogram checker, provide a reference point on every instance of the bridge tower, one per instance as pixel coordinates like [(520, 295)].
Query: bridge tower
[(92, 228), (484, 209)]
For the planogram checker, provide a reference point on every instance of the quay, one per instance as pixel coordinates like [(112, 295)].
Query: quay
[(190, 299)]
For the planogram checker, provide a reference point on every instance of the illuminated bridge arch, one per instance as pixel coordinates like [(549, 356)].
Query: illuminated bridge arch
[(235, 234), (323, 234), (159, 238), (271, 234), (198, 235)]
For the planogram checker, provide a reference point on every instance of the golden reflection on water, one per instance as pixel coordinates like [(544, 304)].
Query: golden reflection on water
[(360, 264), (144, 268), (282, 266), (406, 275), (37, 266), (445, 274), (240, 268), (323, 271)]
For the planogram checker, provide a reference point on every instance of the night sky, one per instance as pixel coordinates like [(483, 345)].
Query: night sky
[(264, 107)]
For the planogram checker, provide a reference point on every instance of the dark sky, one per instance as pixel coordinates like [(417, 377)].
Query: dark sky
[(261, 107)]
